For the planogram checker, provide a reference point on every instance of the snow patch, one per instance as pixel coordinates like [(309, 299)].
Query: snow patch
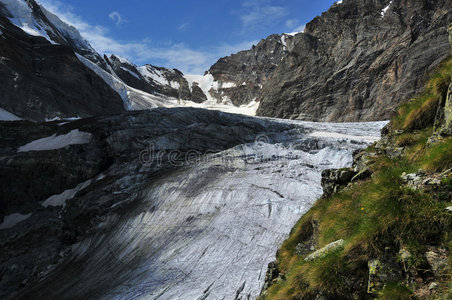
[(225, 106), (22, 17), (384, 10), (60, 199), (175, 85), (226, 85), (206, 83), (7, 116), (152, 73), (123, 60), (75, 137), (131, 73), (12, 220), (283, 40)]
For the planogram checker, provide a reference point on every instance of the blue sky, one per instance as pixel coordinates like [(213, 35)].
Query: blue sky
[(188, 35)]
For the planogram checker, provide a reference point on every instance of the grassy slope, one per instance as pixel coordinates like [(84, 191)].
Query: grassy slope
[(377, 215)]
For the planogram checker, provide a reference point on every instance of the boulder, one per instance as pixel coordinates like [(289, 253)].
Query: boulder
[(331, 247), (335, 179)]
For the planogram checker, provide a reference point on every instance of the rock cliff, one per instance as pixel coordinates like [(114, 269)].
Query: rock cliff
[(358, 61)]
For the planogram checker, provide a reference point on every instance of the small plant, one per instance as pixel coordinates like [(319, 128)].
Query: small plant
[(395, 291)]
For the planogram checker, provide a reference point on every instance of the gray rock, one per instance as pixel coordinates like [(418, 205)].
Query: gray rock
[(335, 179), (433, 286), (249, 69), (438, 260), (271, 276), (309, 240), (363, 174), (353, 64), (325, 250), (380, 272)]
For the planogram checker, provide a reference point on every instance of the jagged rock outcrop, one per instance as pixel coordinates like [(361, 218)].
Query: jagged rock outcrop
[(41, 80), (358, 60), (241, 76)]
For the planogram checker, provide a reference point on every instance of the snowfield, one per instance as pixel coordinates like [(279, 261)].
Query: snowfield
[(7, 116), (13, 219), (60, 199)]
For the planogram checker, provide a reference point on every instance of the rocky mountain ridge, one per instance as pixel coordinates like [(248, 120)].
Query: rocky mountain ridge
[(41, 80), (355, 62), (359, 60), (341, 68), (138, 87)]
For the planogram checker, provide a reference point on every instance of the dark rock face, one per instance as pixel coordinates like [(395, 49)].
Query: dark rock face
[(248, 70), (356, 62), (118, 166), (333, 180), (41, 80), (197, 95)]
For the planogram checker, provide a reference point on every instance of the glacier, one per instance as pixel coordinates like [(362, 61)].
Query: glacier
[(209, 230)]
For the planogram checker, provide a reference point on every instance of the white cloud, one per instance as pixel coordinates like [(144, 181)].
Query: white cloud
[(183, 27), (300, 28), (167, 54), (260, 12), (291, 23), (116, 17)]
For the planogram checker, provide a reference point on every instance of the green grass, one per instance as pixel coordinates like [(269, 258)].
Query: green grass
[(419, 112), (395, 291), (371, 217), (376, 216), (438, 157)]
